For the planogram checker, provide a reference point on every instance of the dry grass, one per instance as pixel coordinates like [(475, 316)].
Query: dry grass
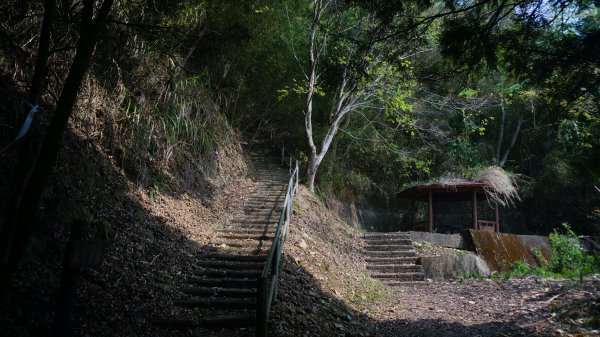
[(451, 180), (500, 185)]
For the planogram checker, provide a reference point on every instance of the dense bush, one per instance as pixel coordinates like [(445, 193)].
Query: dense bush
[(569, 259)]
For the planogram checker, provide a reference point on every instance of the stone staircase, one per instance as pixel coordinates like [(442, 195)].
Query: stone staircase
[(391, 258), (223, 291)]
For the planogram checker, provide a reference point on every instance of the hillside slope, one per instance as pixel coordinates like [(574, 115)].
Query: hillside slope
[(156, 234)]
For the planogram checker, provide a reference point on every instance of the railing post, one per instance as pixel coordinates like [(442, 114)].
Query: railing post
[(297, 177)]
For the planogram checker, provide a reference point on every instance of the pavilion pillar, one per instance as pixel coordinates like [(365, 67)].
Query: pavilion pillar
[(474, 206), (497, 224), (430, 212)]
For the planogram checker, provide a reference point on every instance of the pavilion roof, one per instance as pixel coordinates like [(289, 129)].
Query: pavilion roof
[(455, 190)]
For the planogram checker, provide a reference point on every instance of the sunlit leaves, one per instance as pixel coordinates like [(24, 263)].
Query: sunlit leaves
[(299, 88)]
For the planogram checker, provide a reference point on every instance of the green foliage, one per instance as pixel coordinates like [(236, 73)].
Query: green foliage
[(298, 88), (369, 292), (568, 256), (568, 259), (462, 157), (245, 61)]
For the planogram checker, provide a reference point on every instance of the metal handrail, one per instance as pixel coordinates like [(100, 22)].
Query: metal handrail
[(269, 279)]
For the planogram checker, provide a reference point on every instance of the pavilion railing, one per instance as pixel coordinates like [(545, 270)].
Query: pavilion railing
[(486, 225)]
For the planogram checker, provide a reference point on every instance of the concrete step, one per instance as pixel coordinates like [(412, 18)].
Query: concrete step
[(244, 243), (219, 303), (417, 276), (236, 321), (269, 187), (388, 247), (247, 274), (405, 283), (387, 253), (266, 217), (273, 189), (260, 210), (248, 230), (373, 235), (384, 260), (388, 241), (242, 250), (246, 220), (224, 282), (232, 265), (281, 178), (233, 258), (263, 203), (253, 225), (253, 216), (253, 221), (247, 236), (219, 292), (395, 268)]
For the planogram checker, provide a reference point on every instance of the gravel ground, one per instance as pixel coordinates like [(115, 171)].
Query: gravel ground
[(515, 307)]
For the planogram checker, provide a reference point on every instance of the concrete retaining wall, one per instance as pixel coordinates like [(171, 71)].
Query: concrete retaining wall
[(499, 250), (445, 267), (444, 240)]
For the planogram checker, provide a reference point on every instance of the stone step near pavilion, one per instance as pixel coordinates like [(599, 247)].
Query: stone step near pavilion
[(392, 259)]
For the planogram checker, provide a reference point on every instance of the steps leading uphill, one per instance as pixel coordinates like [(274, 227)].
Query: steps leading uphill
[(223, 291), (391, 258)]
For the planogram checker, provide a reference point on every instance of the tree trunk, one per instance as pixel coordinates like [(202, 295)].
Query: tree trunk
[(28, 147), (26, 211), (512, 142), (311, 171), (25, 148), (313, 163), (501, 132)]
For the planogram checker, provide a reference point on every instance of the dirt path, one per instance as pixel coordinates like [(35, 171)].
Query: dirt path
[(517, 307)]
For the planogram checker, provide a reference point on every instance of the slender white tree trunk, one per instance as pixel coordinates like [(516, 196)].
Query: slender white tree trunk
[(313, 162), (512, 142), (501, 132), (345, 101)]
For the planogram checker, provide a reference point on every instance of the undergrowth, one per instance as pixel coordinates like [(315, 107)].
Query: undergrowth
[(369, 293), (568, 260)]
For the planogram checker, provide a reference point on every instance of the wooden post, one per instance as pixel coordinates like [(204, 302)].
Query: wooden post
[(474, 205), (497, 225), (430, 204)]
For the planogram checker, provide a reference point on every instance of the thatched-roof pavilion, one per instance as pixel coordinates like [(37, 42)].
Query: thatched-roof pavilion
[(453, 191)]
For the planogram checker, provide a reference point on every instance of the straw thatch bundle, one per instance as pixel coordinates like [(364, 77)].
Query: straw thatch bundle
[(500, 185)]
